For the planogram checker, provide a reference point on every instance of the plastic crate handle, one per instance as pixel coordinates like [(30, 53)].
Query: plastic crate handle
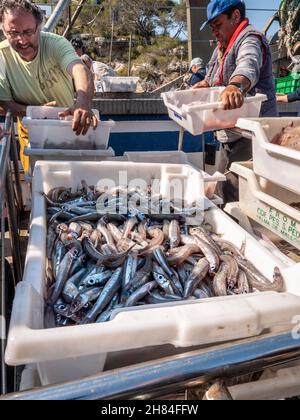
[(219, 105)]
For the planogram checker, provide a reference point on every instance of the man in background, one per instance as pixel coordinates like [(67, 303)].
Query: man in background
[(288, 98), (197, 68), (80, 51)]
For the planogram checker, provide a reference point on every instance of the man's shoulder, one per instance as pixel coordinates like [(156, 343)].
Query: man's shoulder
[(251, 31), (50, 38), (4, 45)]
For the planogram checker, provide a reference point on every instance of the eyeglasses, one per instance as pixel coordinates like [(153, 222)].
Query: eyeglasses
[(25, 34)]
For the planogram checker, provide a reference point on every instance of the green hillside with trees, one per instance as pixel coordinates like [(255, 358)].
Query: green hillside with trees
[(155, 29)]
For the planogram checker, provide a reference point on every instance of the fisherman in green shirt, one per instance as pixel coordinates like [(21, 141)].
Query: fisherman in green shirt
[(39, 68)]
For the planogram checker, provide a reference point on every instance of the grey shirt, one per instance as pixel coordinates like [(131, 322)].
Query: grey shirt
[(248, 64), (250, 57)]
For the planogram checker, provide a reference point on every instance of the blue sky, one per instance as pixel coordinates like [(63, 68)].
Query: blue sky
[(260, 18)]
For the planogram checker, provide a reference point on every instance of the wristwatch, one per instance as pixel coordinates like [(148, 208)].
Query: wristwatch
[(240, 86)]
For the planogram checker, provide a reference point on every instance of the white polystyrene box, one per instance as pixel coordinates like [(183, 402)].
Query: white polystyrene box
[(199, 110), (47, 131), (119, 84), (280, 165), (64, 354)]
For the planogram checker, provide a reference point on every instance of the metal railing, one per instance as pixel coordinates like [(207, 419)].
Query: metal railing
[(173, 374), (11, 206)]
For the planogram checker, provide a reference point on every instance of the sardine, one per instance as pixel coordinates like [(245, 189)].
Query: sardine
[(51, 239), (96, 280), (70, 290), (63, 273), (201, 294), (174, 234), (157, 298), (261, 283), (182, 254), (233, 270), (116, 233), (202, 234), (209, 253), (128, 272), (111, 288), (158, 239), (84, 299), (197, 275), (140, 293), (142, 276), (92, 217), (56, 192), (105, 316), (91, 250), (142, 230), (162, 279), (107, 235), (162, 260), (129, 225), (220, 280), (243, 286), (227, 246)]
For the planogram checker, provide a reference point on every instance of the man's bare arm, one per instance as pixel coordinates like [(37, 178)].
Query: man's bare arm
[(18, 110), (82, 113)]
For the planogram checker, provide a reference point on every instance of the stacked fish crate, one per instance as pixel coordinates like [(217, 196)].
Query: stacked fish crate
[(69, 351), (52, 138), (270, 186)]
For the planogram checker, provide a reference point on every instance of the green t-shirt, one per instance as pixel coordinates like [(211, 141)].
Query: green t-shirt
[(42, 80)]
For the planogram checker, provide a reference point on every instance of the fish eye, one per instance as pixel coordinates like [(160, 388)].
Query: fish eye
[(62, 307), (92, 282)]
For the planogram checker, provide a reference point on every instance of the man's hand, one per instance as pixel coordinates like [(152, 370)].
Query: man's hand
[(83, 118), (52, 104), (232, 98), (282, 98), (201, 85)]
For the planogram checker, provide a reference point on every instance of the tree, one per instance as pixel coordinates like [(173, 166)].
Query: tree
[(143, 18), (179, 18), (290, 24)]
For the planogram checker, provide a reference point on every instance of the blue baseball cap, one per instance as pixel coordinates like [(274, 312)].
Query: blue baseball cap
[(217, 7)]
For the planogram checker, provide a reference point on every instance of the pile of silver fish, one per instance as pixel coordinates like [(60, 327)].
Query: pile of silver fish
[(99, 263)]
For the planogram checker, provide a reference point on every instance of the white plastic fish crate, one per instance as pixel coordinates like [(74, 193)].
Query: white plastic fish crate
[(268, 204), (98, 155), (176, 156), (198, 110), (118, 84), (279, 164), (63, 354), (47, 131)]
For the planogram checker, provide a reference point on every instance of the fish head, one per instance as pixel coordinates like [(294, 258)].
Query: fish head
[(78, 303)]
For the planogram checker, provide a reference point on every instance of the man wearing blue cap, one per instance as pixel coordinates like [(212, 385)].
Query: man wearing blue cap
[(242, 63), (198, 71)]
